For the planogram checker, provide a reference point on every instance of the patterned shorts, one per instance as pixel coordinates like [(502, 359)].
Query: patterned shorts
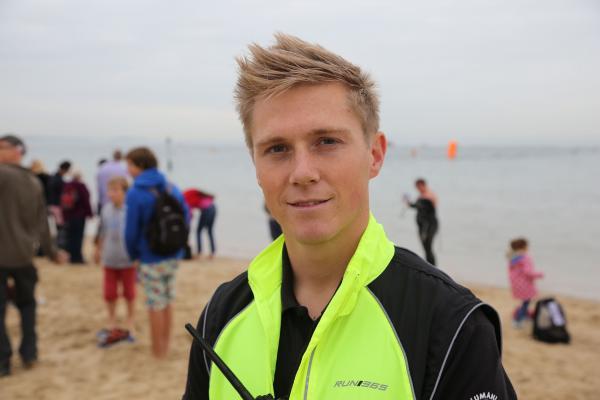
[(158, 281)]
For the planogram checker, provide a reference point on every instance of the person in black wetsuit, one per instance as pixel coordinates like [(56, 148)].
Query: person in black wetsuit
[(426, 217)]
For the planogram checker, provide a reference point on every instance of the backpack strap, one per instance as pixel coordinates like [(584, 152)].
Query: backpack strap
[(155, 191)]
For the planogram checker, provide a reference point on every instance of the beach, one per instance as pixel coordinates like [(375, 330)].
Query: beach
[(71, 366)]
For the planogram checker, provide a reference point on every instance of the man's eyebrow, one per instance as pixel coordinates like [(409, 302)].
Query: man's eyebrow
[(270, 141), (328, 131), (315, 132)]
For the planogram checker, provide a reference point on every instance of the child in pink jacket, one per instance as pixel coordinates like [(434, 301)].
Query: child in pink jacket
[(522, 275)]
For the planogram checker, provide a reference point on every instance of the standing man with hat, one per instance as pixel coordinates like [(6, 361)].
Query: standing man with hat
[(23, 229)]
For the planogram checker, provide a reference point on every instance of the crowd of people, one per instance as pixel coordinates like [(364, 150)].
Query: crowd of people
[(46, 214)]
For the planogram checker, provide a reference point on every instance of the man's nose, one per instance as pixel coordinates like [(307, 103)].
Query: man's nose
[(304, 168)]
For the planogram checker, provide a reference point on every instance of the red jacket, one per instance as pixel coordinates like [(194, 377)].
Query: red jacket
[(81, 207), (198, 199)]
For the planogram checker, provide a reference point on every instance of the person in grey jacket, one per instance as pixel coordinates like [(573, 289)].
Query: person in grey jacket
[(23, 230)]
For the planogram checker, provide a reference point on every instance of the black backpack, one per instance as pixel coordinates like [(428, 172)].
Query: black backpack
[(167, 231), (549, 322)]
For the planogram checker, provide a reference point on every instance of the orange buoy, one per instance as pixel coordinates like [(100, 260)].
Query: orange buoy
[(452, 148)]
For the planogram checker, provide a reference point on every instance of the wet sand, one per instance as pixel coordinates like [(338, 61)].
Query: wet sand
[(71, 366)]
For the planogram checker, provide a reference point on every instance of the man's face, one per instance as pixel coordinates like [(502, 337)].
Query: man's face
[(313, 162), (133, 169), (9, 154)]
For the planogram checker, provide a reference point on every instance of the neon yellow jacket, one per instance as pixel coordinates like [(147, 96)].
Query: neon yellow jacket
[(396, 328), (343, 360)]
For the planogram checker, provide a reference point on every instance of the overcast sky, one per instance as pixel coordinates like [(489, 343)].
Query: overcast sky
[(480, 71)]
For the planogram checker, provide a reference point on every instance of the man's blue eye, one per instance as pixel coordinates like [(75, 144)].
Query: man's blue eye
[(327, 141), (278, 148)]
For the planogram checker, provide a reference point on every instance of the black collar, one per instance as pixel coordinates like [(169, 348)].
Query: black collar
[(288, 298)]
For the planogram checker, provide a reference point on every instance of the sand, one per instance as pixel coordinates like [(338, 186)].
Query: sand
[(71, 366)]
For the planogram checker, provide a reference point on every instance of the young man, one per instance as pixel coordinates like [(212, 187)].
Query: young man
[(331, 309), (157, 271), (24, 227)]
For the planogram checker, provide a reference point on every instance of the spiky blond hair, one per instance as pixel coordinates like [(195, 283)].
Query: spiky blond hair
[(268, 71)]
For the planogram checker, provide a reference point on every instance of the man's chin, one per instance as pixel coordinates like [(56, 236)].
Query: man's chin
[(312, 237)]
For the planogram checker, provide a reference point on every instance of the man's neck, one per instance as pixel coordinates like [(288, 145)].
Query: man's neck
[(318, 269)]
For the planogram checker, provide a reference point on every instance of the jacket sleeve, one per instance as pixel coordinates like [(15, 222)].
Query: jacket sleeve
[(473, 365), (196, 387), (226, 302), (132, 226)]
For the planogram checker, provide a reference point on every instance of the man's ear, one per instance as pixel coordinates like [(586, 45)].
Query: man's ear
[(377, 153), (257, 178)]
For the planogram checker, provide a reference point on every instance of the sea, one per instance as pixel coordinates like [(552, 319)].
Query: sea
[(487, 196)]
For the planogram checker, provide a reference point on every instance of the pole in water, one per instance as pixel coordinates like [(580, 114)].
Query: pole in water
[(214, 357), (169, 159)]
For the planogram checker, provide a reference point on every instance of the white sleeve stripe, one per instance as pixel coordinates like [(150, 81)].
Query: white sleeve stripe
[(204, 336), (450, 348)]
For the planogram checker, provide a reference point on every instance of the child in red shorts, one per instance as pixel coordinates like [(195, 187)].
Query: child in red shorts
[(118, 267)]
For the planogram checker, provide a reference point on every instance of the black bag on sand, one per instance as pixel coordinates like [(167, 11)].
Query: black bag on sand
[(167, 231), (549, 322)]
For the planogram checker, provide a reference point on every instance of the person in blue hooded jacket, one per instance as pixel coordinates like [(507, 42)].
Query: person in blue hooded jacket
[(157, 272)]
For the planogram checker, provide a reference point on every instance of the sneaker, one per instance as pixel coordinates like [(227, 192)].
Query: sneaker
[(102, 334), (115, 336)]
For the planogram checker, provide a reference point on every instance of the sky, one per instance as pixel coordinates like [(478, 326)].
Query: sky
[(483, 72)]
